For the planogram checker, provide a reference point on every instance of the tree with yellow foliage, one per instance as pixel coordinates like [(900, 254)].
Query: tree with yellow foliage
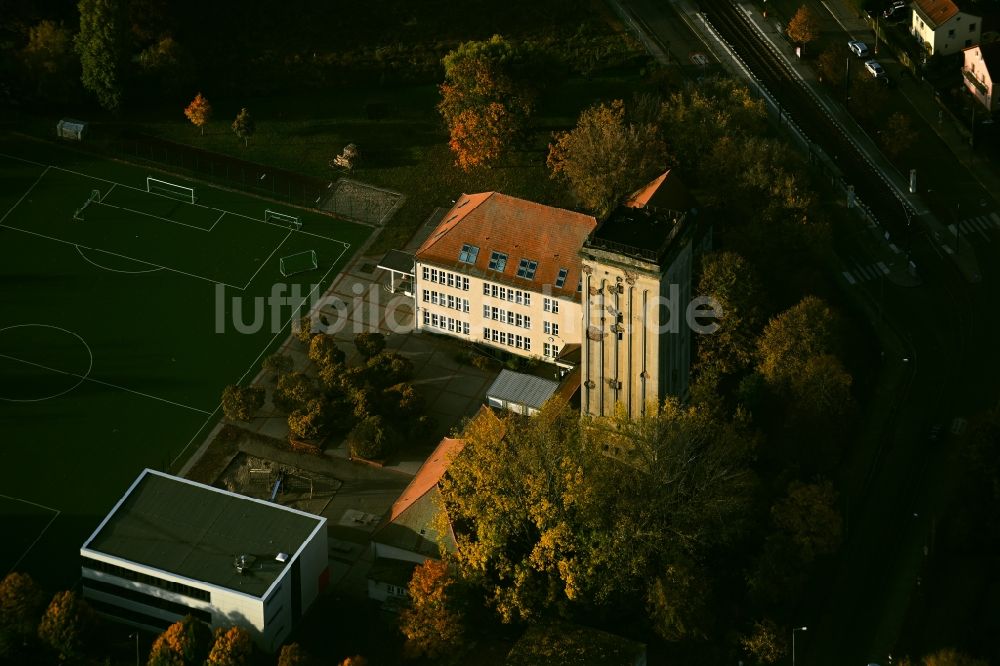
[(233, 647), (803, 29), (199, 112), (21, 605), (184, 643), (65, 624), (433, 624)]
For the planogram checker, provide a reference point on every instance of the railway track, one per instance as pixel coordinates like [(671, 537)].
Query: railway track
[(801, 107)]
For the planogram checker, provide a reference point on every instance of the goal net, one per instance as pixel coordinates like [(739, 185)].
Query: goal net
[(95, 197), (172, 190), (298, 263), (289, 221)]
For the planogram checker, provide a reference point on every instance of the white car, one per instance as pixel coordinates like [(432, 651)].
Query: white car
[(859, 49), (875, 69)]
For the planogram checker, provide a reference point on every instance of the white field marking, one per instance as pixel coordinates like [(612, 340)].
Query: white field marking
[(275, 224), (268, 259), (156, 217), (112, 189), (115, 270), (947, 249), (995, 218), (122, 256), (80, 378), (56, 514), (87, 378), (26, 193), (883, 268), (850, 279), (255, 364), (221, 215)]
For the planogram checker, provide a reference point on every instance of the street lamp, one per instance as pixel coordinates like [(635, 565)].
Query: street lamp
[(793, 641)]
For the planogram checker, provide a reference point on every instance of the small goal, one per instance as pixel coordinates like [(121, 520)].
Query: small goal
[(95, 197), (298, 263), (289, 221), (171, 190), (69, 128)]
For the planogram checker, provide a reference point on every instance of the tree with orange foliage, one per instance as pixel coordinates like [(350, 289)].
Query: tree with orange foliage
[(65, 623), (802, 29), (292, 655), (433, 624), (199, 112), (482, 103), (233, 647), (184, 643), (356, 660), (21, 605)]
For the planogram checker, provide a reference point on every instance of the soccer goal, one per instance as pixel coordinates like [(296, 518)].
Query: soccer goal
[(172, 190), (290, 221), (298, 263), (95, 197)]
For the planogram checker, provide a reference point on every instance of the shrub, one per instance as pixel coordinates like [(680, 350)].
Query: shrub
[(323, 351), (239, 403), (304, 328), (483, 363), (294, 391), (387, 369), (372, 439), (310, 422), (278, 364)]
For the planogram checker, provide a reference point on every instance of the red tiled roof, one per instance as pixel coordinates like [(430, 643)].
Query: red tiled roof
[(936, 12), (520, 229), (427, 476)]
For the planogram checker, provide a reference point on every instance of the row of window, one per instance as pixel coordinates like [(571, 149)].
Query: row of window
[(507, 294), (550, 328), (147, 599), (550, 305), (445, 323), (509, 339), (127, 614), (507, 317), (446, 278), (447, 300), (550, 351), (136, 577)]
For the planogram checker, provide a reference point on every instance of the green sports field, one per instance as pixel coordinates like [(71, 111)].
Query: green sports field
[(125, 308)]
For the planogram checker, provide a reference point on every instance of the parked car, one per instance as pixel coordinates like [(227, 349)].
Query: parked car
[(859, 49), (875, 69), (892, 8)]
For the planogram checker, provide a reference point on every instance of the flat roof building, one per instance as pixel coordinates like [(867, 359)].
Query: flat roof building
[(172, 547)]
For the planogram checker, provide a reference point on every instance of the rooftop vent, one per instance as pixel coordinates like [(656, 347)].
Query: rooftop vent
[(281, 557), (244, 563)]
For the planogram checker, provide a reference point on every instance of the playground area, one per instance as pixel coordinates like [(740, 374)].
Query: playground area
[(131, 299), (287, 485)]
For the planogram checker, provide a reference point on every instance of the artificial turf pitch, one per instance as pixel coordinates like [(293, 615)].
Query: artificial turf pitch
[(117, 331)]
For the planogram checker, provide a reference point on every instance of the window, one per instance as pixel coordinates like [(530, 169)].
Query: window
[(527, 321), (465, 328), (426, 273), (486, 289), (427, 296), (579, 284), (527, 343), (465, 284), (468, 254), (486, 311), (561, 278), (427, 318), (550, 305), (550, 328), (498, 261), (951, 33), (526, 269), (145, 579), (972, 27), (550, 351)]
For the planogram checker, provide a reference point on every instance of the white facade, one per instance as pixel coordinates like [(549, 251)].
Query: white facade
[(152, 598), (950, 35), (521, 321)]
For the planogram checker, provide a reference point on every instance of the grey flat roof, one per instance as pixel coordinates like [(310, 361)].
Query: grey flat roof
[(397, 260), (522, 389), (196, 531)]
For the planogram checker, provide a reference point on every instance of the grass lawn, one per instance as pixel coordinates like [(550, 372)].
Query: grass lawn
[(119, 331), (405, 151)]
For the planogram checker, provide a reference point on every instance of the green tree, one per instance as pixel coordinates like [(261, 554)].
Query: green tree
[(727, 278), (791, 339), (372, 439), (233, 647), (764, 644), (278, 364), (387, 368), (323, 351), (434, 622), (50, 60), (199, 112), (65, 625), (293, 655), (483, 104), (678, 602), (184, 643), (823, 388), (606, 156), (21, 605), (310, 422), (294, 391), (244, 126), (369, 344), (240, 402), (808, 514), (101, 45), (803, 28), (898, 135)]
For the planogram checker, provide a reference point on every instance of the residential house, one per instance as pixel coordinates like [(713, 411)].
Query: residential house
[(503, 272), (520, 393), (942, 28), (638, 266), (173, 547), (982, 63)]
